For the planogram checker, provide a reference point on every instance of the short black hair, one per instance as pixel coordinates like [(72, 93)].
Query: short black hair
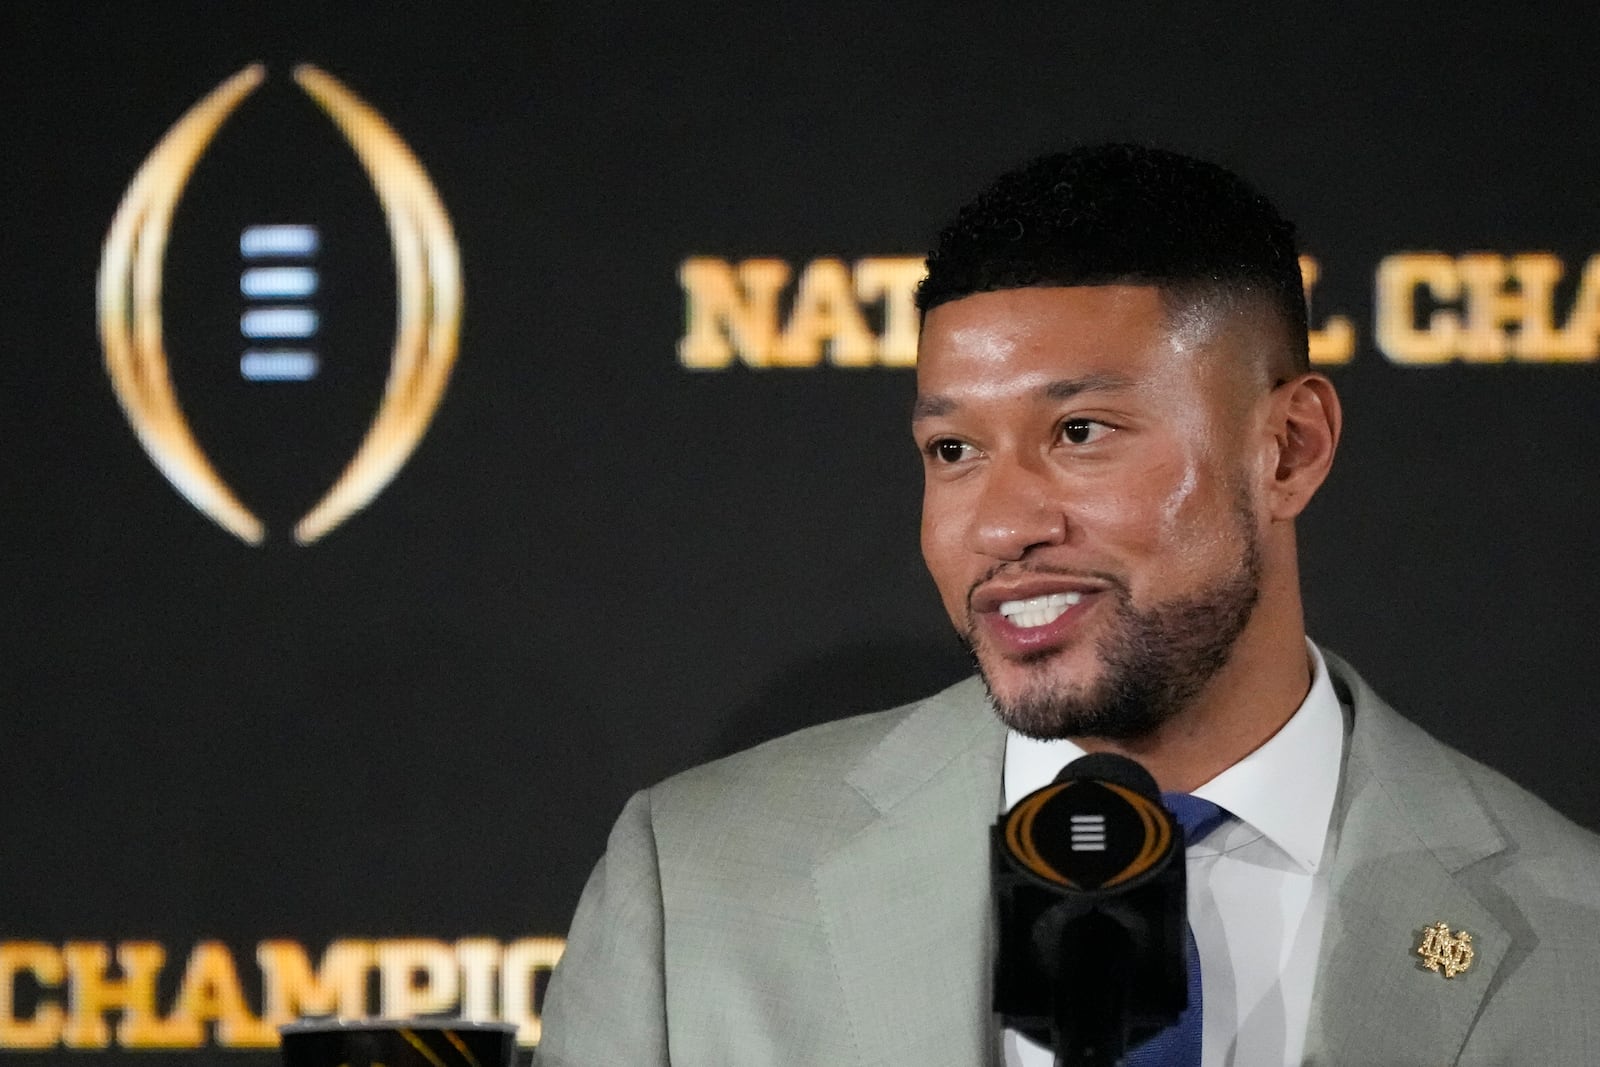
[(1123, 214)]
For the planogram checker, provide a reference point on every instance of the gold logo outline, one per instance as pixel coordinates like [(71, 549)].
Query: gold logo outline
[(1019, 834), (429, 300)]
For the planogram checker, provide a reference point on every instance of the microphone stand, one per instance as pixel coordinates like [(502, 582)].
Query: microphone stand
[(1092, 1003)]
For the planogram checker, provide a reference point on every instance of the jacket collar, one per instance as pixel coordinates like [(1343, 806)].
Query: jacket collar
[(905, 902), (1407, 825)]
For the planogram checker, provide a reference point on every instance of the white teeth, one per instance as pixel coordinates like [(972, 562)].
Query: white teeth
[(1038, 610)]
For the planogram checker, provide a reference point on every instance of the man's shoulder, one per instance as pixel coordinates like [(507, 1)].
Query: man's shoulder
[(1544, 848), (819, 757), (1417, 768), (780, 806), (1524, 817)]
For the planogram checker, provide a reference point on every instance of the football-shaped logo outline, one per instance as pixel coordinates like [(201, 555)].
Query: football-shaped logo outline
[(429, 297)]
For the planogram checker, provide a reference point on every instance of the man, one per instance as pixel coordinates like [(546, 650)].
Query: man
[(1119, 427)]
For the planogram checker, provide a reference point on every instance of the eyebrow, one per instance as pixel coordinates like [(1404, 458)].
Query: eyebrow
[(934, 406)]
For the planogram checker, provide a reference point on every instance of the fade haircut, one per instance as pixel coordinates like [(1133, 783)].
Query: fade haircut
[(1126, 214)]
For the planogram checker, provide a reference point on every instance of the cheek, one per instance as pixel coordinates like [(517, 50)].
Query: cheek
[(1174, 514), (1144, 505), (1177, 507), (942, 550)]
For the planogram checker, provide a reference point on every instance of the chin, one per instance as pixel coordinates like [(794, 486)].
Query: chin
[(1069, 669), (1042, 696), (1050, 700)]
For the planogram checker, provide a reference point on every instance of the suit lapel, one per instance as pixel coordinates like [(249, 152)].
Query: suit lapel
[(1406, 828), (906, 902)]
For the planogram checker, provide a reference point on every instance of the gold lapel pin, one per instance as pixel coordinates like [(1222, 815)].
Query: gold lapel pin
[(1440, 951)]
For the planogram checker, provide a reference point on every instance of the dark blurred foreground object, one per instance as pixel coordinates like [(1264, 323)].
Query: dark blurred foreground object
[(1090, 883), (399, 1043)]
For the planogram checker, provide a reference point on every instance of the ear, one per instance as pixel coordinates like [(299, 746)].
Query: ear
[(1306, 420)]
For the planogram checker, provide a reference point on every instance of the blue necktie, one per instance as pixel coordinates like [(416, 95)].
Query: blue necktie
[(1179, 1044)]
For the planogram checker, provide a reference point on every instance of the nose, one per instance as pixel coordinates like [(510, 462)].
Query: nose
[(1017, 510)]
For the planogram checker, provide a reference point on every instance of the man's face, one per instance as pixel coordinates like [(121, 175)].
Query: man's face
[(1088, 508)]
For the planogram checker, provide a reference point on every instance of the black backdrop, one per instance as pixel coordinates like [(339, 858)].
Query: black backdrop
[(599, 566)]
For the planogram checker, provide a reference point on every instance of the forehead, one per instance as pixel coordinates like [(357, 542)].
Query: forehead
[(1021, 338)]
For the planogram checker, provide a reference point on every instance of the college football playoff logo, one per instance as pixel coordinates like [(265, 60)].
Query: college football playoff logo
[(428, 298)]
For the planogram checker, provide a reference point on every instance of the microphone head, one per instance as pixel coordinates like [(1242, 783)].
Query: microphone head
[(1110, 767), (1089, 886), (1098, 828)]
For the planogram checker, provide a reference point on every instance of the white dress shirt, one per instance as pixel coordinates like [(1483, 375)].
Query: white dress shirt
[(1258, 883)]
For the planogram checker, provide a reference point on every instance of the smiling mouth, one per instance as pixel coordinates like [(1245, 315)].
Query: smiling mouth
[(1038, 611)]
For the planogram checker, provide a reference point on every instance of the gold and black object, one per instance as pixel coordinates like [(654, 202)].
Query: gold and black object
[(427, 265), (1089, 883), (398, 1043)]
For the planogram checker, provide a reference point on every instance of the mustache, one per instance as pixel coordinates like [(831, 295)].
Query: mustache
[(1012, 570)]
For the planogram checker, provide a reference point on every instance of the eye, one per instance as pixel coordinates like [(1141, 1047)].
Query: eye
[(950, 450), (1083, 431)]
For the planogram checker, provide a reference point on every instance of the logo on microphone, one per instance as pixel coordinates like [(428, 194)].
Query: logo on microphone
[(1112, 834), (280, 324)]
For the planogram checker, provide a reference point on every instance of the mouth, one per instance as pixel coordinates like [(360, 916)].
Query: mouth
[(1037, 615), (1036, 611)]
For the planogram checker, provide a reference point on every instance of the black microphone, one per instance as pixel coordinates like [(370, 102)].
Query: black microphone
[(1089, 880)]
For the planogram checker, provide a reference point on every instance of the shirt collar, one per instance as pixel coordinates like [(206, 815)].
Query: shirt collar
[(1285, 789)]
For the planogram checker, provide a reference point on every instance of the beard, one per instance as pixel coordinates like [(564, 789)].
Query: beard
[(1155, 660)]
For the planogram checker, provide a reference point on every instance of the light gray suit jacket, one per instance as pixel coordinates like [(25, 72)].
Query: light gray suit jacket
[(824, 900)]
